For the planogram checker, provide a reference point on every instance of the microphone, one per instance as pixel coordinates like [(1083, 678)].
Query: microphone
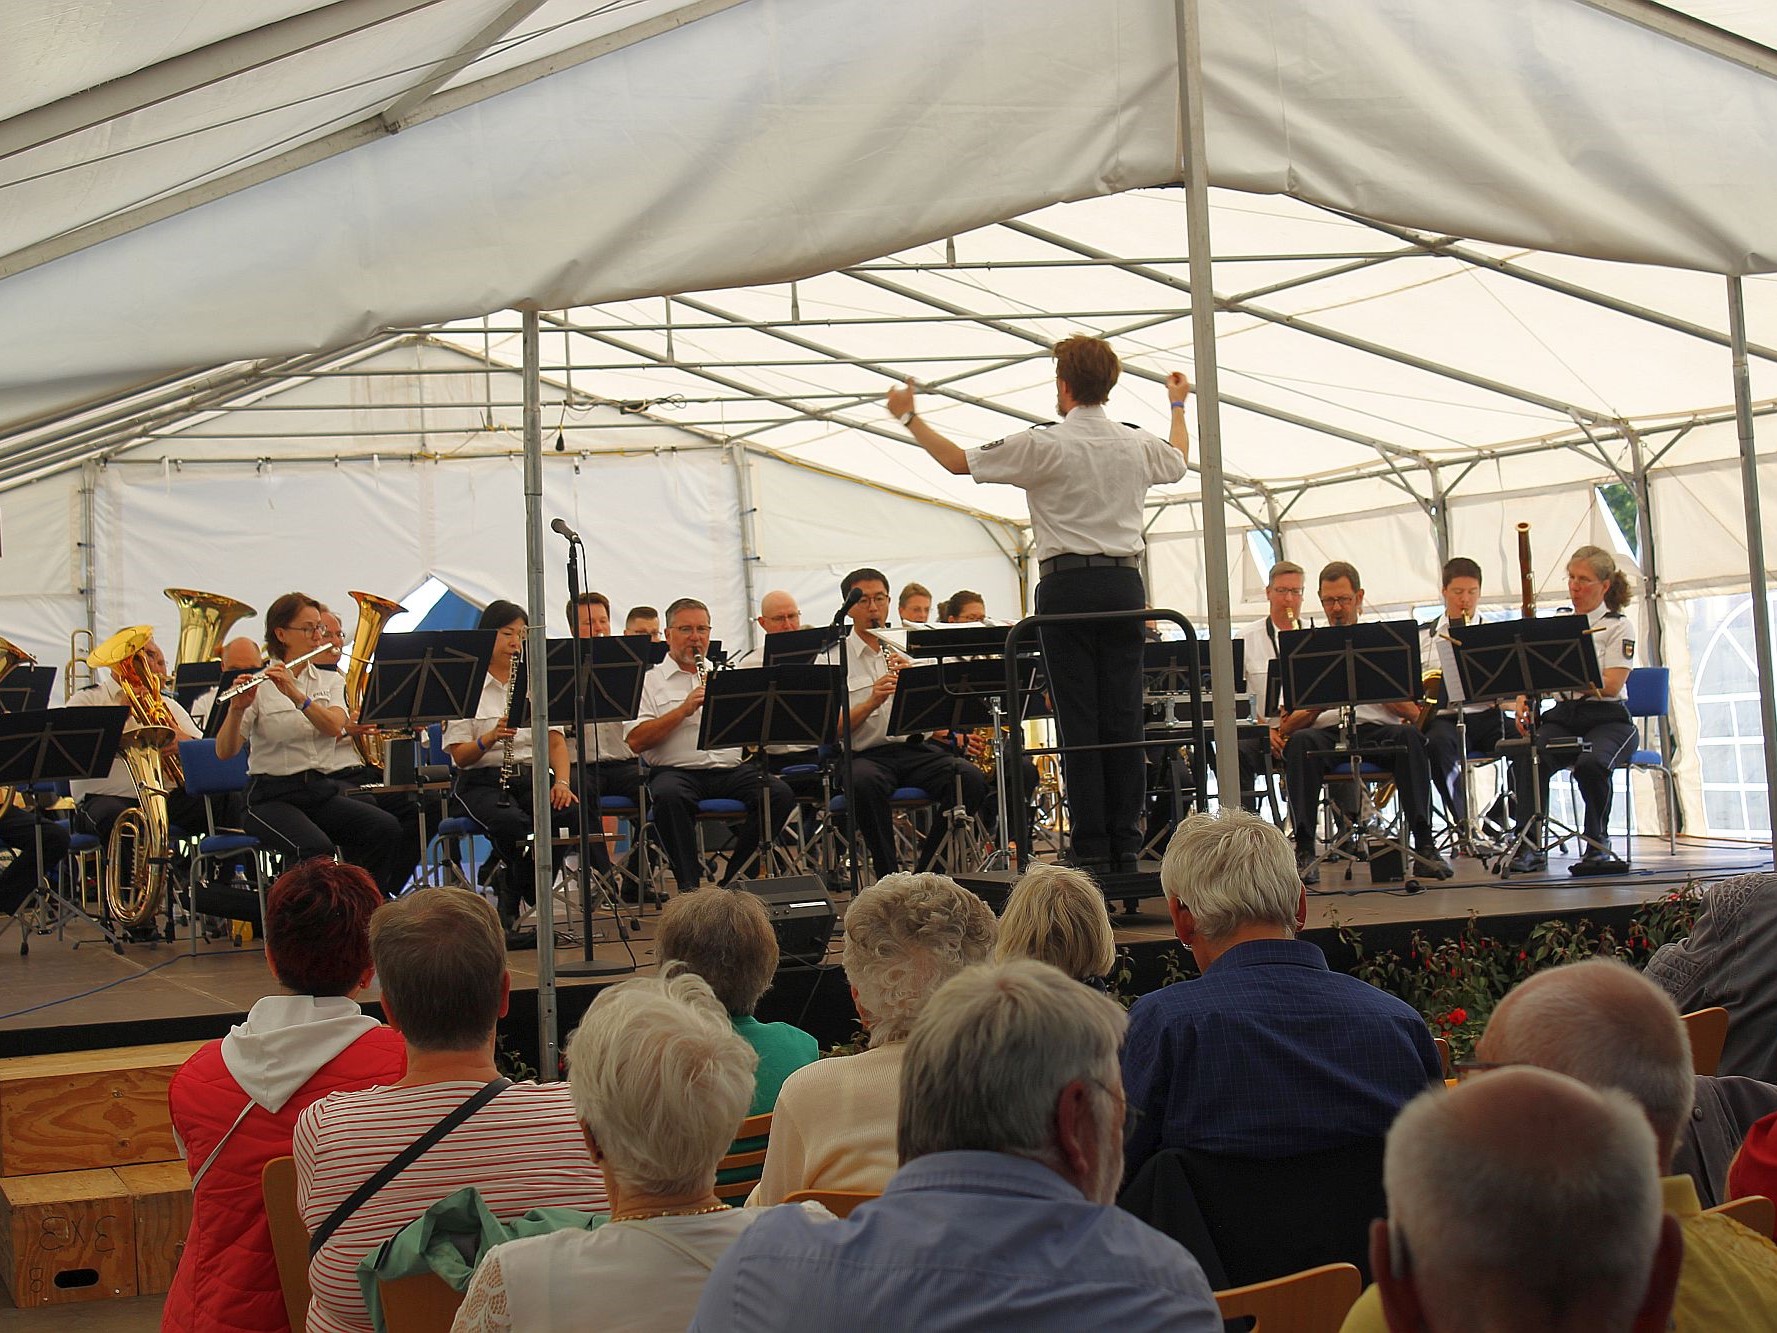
[(561, 525), (852, 598)]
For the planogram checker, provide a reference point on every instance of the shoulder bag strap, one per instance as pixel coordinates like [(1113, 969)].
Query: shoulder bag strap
[(402, 1160), (216, 1152)]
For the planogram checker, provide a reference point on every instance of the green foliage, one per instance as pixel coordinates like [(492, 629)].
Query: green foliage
[(1457, 982), (513, 1065)]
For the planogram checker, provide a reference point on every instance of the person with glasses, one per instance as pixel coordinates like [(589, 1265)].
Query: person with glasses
[(882, 763), (1283, 599), (680, 773), (290, 723), (1388, 732)]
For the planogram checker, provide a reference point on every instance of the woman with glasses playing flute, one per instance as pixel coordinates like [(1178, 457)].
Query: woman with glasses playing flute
[(289, 720)]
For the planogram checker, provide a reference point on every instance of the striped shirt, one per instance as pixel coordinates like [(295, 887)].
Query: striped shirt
[(523, 1150)]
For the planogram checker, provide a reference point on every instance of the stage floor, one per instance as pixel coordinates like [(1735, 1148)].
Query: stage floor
[(76, 993)]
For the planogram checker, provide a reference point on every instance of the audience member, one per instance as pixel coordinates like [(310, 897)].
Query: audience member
[(834, 1127), (1730, 959), (1524, 1201), (235, 1102), (1010, 1116), (727, 939), (660, 1080), (1608, 1026), (441, 960), (1269, 1053), (1056, 914)]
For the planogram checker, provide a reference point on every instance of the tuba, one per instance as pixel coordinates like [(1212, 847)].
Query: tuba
[(133, 884), (373, 614), (204, 618), (11, 655)]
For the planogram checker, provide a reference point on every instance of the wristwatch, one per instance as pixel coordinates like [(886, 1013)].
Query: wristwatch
[(905, 417)]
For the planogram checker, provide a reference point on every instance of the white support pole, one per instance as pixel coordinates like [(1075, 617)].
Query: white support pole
[(1208, 393), (1755, 546), (536, 653)]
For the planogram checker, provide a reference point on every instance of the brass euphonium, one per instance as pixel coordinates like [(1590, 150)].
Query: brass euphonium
[(204, 619), (11, 655), (373, 614), (133, 884)]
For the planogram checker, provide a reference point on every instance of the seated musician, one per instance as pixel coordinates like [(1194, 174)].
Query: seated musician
[(240, 654), (964, 607), (643, 620), (289, 721), (102, 800), (349, 767), (1283, 598), (1383, 726), (881, 762), (607, 766), (780, 614), (1481, 723), (1599, 591), (665, 734), (914, 605), (493, 761)]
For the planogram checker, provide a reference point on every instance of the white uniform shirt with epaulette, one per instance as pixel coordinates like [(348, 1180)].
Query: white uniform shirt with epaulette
[(118, 782), (1260, 652), (280, 738), (1613, 639), (665, 687), (864, 666), (1086, 477), (489, 709)]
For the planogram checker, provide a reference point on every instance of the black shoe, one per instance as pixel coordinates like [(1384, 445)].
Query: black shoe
[(1528, 862), (1307, 869), (1597, 861), (1431, 861)]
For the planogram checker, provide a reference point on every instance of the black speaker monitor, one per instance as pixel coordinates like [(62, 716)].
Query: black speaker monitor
[(801, 912)]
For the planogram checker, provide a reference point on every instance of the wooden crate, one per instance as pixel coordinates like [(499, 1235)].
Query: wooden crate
[(160, 1206), (66, 1237), (87, 1109)]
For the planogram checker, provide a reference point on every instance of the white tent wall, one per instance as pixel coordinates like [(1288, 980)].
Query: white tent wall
[(41, 567), (812, 528), (1175, 566)]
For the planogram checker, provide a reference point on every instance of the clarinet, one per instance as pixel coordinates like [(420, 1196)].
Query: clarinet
[(508, 767)]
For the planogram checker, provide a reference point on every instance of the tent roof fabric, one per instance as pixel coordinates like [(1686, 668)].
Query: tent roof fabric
[(1511, 287)]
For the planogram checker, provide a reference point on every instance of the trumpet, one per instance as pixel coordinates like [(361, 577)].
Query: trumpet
[(246, 683)]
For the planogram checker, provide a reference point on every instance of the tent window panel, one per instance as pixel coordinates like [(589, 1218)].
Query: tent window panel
[(1730, 742)]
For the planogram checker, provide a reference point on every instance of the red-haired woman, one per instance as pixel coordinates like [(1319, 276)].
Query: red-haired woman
[(235, 1102)]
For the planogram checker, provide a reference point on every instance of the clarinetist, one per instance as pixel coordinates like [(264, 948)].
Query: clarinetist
[(493, 763)]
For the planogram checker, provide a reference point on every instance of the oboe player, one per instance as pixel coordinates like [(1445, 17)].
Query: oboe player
[(493, 762), (290, 721), (1086, 478)]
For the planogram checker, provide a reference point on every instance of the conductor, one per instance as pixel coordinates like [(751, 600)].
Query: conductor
[(1086, 478)]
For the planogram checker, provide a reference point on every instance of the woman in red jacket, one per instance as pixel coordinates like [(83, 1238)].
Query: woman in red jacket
[(235, 1102)]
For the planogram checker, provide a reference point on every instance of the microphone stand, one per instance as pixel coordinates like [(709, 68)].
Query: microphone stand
[(845, 750)]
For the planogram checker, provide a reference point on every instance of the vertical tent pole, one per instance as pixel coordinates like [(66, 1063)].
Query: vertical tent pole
[(1755, 545), (536, 653), (1209, 403)]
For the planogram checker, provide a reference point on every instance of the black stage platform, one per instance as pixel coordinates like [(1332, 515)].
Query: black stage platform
[(64, 998)]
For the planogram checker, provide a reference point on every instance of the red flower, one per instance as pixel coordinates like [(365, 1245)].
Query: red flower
[(1523, 957), (1458, 1017)]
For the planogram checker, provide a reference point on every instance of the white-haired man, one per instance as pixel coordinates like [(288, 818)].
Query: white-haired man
[(1525, 1201), (999, 1218), (1605, 1024), (1269, 1053)]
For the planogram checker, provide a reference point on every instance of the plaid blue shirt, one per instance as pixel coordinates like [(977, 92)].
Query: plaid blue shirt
[(1270, 1053)]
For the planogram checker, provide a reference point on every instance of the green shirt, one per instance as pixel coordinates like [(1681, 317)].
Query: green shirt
[(783, 1050)]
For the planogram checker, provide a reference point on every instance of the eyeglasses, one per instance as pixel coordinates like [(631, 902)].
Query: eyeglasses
[(311, 629), (876, 599), (687, 629), (1131, 1112), (1338, 601), (1288, 592)]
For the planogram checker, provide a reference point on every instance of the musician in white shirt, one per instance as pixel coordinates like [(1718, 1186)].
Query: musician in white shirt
[(1283, 597), (493, 763), (1447, 746), (290, 721), (680, 774)]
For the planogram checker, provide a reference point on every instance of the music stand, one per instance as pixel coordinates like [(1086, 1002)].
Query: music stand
[(423, 677), (796, 647), (796, 705), (57, 745), (1533, 658), (26, 689), (218, 709), (614, 669), (1344, 666), (191, 679)]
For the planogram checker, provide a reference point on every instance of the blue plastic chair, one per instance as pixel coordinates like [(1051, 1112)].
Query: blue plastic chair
[(208, 776), (1649, 696)]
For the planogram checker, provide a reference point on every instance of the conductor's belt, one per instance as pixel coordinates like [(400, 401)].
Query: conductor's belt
[(1056, 563)]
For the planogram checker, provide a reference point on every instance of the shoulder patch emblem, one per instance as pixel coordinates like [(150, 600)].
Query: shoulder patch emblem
[(993, 445), (1629, 649)]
